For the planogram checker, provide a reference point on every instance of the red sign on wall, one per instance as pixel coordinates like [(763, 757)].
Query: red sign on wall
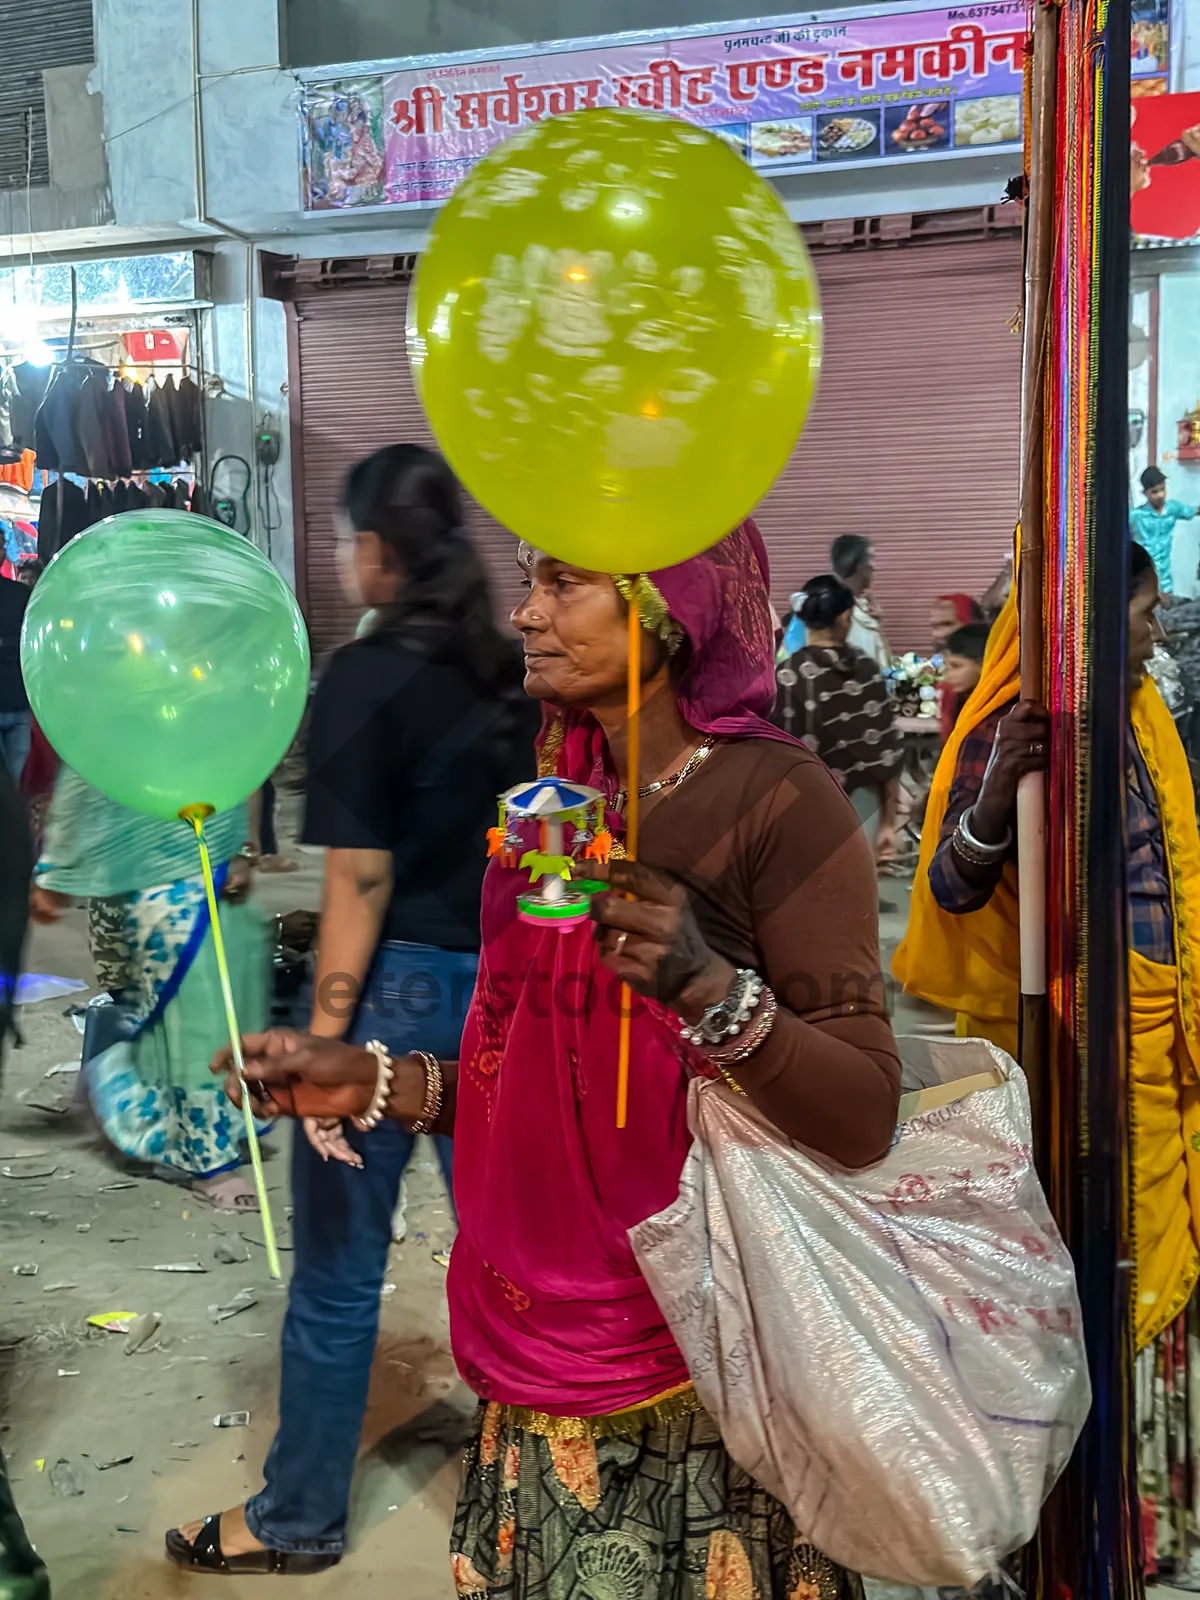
[(149, 346), (1165, 173)]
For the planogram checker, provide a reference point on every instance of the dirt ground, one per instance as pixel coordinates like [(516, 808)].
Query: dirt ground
[(68, 1395), (95, 1233)]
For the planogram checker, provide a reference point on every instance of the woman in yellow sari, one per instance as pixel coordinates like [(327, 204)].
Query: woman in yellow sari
[(962, 947)]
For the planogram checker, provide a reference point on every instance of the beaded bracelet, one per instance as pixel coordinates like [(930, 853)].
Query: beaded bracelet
[(753, 1039), (373, 1115)]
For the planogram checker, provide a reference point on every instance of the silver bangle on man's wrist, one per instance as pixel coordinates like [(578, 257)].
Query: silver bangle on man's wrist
[(976, 851)]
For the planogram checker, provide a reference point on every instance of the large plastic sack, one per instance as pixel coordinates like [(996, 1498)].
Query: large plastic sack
[(897, 1354)]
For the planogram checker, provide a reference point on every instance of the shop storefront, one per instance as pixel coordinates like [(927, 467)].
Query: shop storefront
[(914, 437), (913, 441), (101, 394)]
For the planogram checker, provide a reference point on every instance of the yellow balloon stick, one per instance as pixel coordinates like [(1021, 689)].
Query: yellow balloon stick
[(632, 761), (196, 815)]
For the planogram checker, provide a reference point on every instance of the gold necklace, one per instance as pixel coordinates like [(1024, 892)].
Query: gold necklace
[(697, 756)]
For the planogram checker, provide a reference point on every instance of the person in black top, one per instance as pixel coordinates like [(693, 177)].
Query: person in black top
[(14, 702), (416, 727)]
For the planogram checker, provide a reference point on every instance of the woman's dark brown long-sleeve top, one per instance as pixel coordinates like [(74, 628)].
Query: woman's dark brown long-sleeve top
[(781, 880)]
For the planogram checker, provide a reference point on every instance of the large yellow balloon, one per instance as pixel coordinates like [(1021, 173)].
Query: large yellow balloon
[(616, 334)]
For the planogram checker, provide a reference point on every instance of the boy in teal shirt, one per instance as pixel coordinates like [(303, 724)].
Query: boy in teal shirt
[(1153, 525)]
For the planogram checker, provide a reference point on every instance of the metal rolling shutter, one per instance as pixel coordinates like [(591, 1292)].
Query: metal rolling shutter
[(34, 35), (914, 439), (356, 395)]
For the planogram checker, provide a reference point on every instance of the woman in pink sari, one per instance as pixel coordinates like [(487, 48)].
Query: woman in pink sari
[(595, 1471)]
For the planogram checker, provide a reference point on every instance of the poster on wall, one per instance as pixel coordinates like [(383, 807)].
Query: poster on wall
[(788, 95), (343, 144), (1165, 167), (1150, 48)]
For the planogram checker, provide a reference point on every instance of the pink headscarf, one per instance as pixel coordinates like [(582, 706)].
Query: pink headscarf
[(721, 600), (547, 1306)]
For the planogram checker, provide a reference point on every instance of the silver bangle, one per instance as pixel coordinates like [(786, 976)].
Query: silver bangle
[(373, 1115), (975, 850), (726, 1019), (754, 1037)]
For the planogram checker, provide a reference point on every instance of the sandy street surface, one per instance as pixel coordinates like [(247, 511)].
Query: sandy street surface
[(92, 1244)]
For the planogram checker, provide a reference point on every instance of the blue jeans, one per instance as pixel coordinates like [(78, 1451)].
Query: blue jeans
[(416, 998), (14, 741)]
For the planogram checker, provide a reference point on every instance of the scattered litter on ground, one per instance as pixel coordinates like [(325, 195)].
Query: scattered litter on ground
[(176, 1266), (27, 1269), (121, 1183), (242, 1301), (228, 1254), (56, 1338), (34, 987), (64, 1480), (53, 1288), (185, 1444), (232, 1419), (112, 1321), (388, 1289), (442, 1257), (64, 1372), (7, 1170), (83, 1227), (114, 1461), (57, 1107), (250, 1239), (141, 1331), (62, 1069)]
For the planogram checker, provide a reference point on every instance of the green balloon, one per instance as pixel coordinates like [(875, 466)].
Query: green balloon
[(166, 661)]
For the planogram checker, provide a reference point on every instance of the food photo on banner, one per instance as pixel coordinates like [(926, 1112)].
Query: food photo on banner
[(786, 93), (1165, 167)]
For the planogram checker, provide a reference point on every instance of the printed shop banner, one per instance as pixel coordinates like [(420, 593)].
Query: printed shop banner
[(1165, 167), (787, 95)]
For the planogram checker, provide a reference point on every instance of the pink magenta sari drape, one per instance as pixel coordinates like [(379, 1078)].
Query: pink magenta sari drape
[(547, 1306)]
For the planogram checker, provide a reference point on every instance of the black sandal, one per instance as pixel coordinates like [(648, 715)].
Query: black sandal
[(205, 1555)]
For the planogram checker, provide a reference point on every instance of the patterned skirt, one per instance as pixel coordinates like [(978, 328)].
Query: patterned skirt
[(658, 1513)]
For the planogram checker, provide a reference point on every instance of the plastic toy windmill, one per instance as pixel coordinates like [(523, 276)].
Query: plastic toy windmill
[(552, 802)]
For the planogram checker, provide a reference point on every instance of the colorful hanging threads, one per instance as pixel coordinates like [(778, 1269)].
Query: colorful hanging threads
[(1090, 1545)]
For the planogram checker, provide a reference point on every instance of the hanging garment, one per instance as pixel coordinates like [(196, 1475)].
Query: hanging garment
[(185, 417), (201, 502), (64, 513), (136, 424), (19, 473), (56, 435), (160, 433), (31, 383), (91, 425), (9, 450), (117, 430)]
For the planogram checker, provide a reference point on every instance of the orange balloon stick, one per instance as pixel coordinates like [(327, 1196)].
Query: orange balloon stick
[(631, 832)]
